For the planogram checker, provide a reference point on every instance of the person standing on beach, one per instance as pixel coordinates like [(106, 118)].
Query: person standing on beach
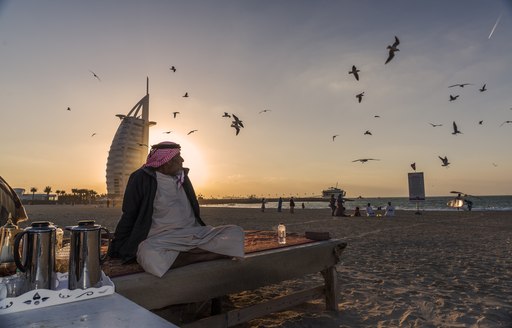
[(263, 204), (160, 225), (332, 204), (390, 210), (292, 205), (280, 204)]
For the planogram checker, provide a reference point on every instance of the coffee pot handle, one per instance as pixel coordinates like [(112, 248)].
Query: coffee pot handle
[(104, 256), (16, 251)]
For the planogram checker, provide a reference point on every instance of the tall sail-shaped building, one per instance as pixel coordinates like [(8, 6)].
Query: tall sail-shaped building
[(129, 148)]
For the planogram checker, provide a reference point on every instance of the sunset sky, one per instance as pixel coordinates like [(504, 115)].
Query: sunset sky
[(288, 57)]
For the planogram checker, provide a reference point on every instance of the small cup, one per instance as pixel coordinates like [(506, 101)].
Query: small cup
[(15, 285)]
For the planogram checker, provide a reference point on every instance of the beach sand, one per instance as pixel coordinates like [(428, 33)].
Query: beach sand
[(437, 269)]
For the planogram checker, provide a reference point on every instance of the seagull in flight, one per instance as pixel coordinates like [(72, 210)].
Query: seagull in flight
[(455, 129), (185, 95), (334, 137), (505, 123), (376, 116), (226, 115), (175, 113), (413, 165), (92, 135), (264, 111), (364, 160), (452, 98), (435, 125), (359, 96), (69, 108), (191, 131), (237, 121), (481, 122), (392, 48), (482, 89), (96, 76), (167, 132), (236, 126), (444, 160), (354, 71), (367, 132), (462, 85), (172, 68)]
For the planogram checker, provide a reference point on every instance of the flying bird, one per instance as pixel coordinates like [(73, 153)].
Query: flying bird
[(236, 126), (69, 108), (376, 116), (334, 137), (480, 122), (226, 115), (191, 131), (494, 164), (92, 135), (359, 96), (264, 111), (172, 68), (354, 71), (482, 89), (413, 165), (367, 132), (462, 85), (237, 121), (143, 145), (505, 123), (175, 113), (444, 160), (364, 160), (392, 48), (167, 132), (185, 95), (452, 98), (455, 129), (435, 125), (96, 76)]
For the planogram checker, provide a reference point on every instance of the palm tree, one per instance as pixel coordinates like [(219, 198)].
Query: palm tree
[(33, 190), (47, 190)]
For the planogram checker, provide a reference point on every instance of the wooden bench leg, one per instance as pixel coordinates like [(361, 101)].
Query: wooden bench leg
[(331, 289), (216, 306)]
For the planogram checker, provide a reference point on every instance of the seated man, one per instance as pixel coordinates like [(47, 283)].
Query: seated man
[(160, 222), (10, 204), (390, 210), (369, 210)]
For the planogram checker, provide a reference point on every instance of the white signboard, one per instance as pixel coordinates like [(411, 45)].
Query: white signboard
[(416, 186)]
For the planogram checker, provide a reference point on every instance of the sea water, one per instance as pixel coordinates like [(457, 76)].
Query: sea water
[(437, 203)]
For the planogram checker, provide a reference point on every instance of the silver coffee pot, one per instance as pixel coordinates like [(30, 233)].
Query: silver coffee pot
[(38, 251), (85, 257)]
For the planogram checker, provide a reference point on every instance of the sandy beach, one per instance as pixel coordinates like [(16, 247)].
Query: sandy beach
[(437, 269)]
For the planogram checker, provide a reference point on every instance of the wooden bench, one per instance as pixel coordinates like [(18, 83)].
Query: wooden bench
[(207, 280)]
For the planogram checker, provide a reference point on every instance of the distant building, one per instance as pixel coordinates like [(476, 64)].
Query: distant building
[(129, 148)]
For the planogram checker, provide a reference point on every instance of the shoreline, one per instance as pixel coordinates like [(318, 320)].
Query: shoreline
[(442, 268)]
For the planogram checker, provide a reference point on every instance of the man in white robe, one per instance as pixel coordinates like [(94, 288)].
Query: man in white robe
[(161, 217)]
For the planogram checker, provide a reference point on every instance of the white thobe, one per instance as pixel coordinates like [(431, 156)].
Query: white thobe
[(174, 229)]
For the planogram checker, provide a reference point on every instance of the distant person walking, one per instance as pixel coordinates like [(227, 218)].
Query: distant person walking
[(292, 205), (280, 204), (263, 204), (332, 204)]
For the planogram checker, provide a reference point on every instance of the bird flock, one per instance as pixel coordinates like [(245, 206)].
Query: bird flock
[(392, 49)]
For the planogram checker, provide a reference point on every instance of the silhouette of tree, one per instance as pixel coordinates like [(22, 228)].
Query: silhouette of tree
[(33, 190)]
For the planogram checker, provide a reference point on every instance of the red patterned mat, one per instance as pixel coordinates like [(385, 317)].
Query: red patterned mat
[(255, 241)]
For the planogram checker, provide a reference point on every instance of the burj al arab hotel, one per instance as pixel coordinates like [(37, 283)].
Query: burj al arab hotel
[(129, 148)]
